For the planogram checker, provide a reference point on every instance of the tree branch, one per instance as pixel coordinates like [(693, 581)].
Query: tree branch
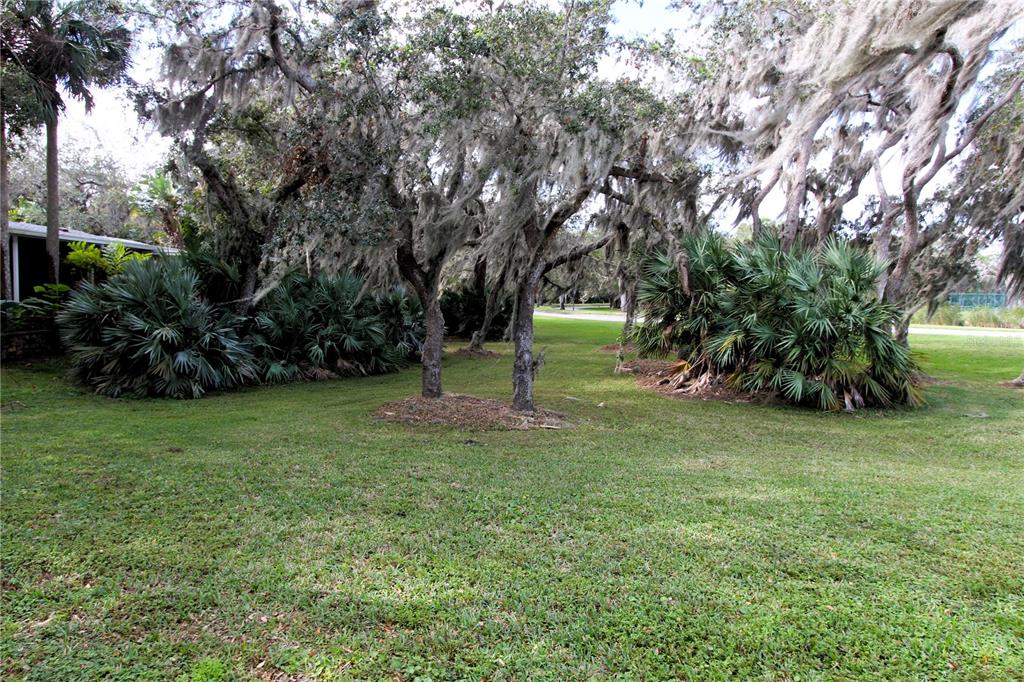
[(297, 74), (576, 254), (638, 174)]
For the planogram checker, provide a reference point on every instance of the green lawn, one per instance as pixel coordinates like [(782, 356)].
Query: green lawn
[(582, 309), (284, 534)]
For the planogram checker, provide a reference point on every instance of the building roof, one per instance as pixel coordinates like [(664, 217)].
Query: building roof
[(31, 230)]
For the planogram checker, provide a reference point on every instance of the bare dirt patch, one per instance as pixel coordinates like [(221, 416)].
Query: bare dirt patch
[(481, 354), (1012, 384), (656, 375), (467, 412)]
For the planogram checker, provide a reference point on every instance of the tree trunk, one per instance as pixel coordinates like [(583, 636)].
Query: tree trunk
[(629, 307), (910, 246), (756, 226), (797, 192), (823, 223), (6, 283), (523, 368), (902, 330), (883, 238), (476, 343), (433, 345), (479, 337), (52, 200)]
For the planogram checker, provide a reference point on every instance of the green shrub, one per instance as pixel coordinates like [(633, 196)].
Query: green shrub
[(152, 331), (945, 314), (402, 318), (312, 327), (90, 261), (805, 326), (219, 280), (1012, 318), (36, 313), (982, 316), (148, 331), (463, 308)]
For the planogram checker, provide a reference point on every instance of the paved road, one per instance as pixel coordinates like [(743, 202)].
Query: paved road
[(939, 331)]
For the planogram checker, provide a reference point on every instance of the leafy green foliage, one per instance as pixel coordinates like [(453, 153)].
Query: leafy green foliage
[(91, 260), (66, 47), (149, 331), (311, 327), (221, 280), (86, 257), (401, 317), (152, 330), (948, 314), (982, 316), (806, 326), (945, 314), (207, 670), (35, 313)]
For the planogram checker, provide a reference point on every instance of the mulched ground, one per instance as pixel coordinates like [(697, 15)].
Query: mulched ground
[(656, 375), (467, 352), (467, 412)]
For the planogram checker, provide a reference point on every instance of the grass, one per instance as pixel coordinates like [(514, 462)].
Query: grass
[(969, 328), (282, 533), (582, 309)]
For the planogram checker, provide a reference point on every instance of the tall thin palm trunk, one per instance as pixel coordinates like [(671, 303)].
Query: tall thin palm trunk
[(52, 200), (6, 283)]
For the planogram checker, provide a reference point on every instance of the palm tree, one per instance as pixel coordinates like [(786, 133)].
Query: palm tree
[(64, 48)]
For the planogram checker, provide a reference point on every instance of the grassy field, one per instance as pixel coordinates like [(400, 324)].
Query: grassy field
[(582, 309), (284, 534)]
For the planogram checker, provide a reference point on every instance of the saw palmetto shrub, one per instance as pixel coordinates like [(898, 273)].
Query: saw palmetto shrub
[(152, 330), (149, 331), (314, 327), (806, 326), (402, 318)]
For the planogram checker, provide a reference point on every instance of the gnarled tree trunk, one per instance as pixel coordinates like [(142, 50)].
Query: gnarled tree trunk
[(433, 347), (524, 369), (797, 192), (490, 310)]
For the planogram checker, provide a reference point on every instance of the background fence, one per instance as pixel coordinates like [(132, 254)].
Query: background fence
[(977, 300)]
